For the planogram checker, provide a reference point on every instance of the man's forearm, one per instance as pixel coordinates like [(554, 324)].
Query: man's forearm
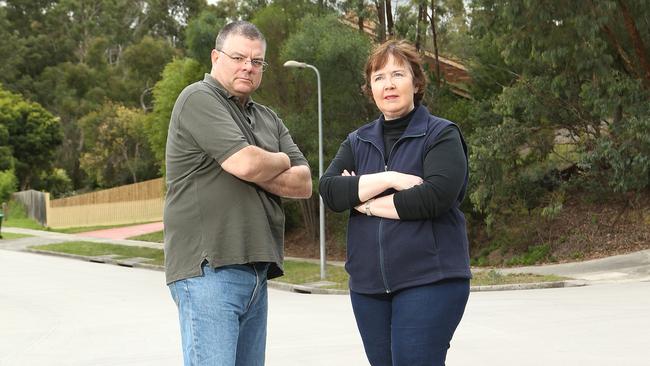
[(254, 164), (294, 182)]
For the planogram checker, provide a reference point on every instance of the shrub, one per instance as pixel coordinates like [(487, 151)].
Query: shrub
[(8, 184)]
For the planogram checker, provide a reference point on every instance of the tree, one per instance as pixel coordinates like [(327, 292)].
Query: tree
[(200, 36), (278, 22), (339, 53), (116, 150), (546, 85), (33, 136), (143, 63), (176, 76)]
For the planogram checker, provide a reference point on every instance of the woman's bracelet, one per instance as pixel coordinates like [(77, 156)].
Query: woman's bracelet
[(367, 207)]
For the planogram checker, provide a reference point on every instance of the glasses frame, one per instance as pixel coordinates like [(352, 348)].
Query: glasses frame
[(255, 63)]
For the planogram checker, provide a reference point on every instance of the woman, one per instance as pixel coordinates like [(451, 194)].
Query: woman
[(403, 177)]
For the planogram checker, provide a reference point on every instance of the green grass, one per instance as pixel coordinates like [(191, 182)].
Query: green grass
[(9, 236), (492, 277), (295, 272), (17, 217), (91, 249), (156, 237), (83, 229), (298, 272)]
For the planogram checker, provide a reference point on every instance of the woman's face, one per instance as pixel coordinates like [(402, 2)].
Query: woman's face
[(393, 89)]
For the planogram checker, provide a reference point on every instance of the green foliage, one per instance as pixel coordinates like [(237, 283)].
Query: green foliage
[(535, 254), (143, 63), (116, 150), (339, 53), (56, 182), (538, 83), (200, 36), (8, 184), (177, 75), (278, 22), (17, 217), (621, 159), (33, 134)]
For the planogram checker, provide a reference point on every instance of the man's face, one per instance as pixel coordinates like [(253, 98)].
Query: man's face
[(239, 76)]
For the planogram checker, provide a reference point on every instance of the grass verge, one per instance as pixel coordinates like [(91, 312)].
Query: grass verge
[(296, 272), (83, 229), (9, 236), (156, 237), (91, 249), (493, 277)]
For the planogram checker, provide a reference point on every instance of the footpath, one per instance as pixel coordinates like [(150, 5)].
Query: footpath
[(631, 267)]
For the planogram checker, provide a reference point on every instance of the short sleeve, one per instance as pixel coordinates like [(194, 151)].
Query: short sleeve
[(209, 123), (287, 145)]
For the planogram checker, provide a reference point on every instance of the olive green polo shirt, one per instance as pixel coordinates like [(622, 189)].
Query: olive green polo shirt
[(211, 215)]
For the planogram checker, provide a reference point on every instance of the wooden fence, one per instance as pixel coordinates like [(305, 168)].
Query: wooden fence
[(133, 203)]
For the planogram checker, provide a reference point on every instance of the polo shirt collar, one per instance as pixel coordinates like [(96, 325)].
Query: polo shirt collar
[(225, 93)]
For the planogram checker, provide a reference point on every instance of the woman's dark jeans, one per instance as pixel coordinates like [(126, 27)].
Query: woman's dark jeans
[(410, 327)]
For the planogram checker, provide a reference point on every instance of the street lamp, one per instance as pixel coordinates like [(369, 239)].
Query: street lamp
[(321, 207)]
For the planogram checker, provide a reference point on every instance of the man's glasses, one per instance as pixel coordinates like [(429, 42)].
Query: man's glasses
[(257, 64)]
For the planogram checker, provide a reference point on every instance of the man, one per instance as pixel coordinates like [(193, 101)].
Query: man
[(228, 161)]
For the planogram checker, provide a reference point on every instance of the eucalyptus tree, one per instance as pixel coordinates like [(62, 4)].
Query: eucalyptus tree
[(549, 69)]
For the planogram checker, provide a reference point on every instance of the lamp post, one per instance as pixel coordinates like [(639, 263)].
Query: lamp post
[(321, 207)]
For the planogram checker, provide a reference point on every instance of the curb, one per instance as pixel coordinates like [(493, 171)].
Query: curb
[(305, 289)]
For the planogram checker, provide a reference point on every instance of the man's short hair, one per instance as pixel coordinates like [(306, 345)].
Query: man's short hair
[(238, 28)]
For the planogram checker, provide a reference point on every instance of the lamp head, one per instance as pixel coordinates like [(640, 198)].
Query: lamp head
[(292, 63)]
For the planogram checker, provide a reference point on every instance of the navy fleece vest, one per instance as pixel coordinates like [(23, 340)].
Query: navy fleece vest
[(386, 255)]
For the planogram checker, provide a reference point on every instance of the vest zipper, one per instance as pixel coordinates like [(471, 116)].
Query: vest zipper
[(381, 258), (382, 268)]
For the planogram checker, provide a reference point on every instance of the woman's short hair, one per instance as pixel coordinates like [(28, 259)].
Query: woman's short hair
[(403, 53)]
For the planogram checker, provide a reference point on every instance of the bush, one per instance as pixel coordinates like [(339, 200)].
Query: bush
[(535, 254), (621, 158), (56, 182), (8, 184)]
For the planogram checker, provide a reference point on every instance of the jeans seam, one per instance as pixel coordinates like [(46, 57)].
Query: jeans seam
[(257, 282), (193, 351)]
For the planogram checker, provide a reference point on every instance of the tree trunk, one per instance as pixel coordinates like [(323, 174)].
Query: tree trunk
[(637, 41), (360, 14), (380, 30), (389, 18), (432, 19), (418, 27)]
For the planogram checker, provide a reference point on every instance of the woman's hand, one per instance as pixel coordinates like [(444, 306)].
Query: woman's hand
[(401, 181)]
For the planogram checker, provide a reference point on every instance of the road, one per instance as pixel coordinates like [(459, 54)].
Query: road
[(59, 311)]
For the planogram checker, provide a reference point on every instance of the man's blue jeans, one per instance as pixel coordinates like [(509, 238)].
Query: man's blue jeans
[(223, 315)]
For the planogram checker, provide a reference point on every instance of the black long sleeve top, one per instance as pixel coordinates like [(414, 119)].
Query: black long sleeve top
[(444, 170)]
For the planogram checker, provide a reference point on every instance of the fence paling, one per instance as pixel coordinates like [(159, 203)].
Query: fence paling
[(35, 204), (133, 192), (133, 203)]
